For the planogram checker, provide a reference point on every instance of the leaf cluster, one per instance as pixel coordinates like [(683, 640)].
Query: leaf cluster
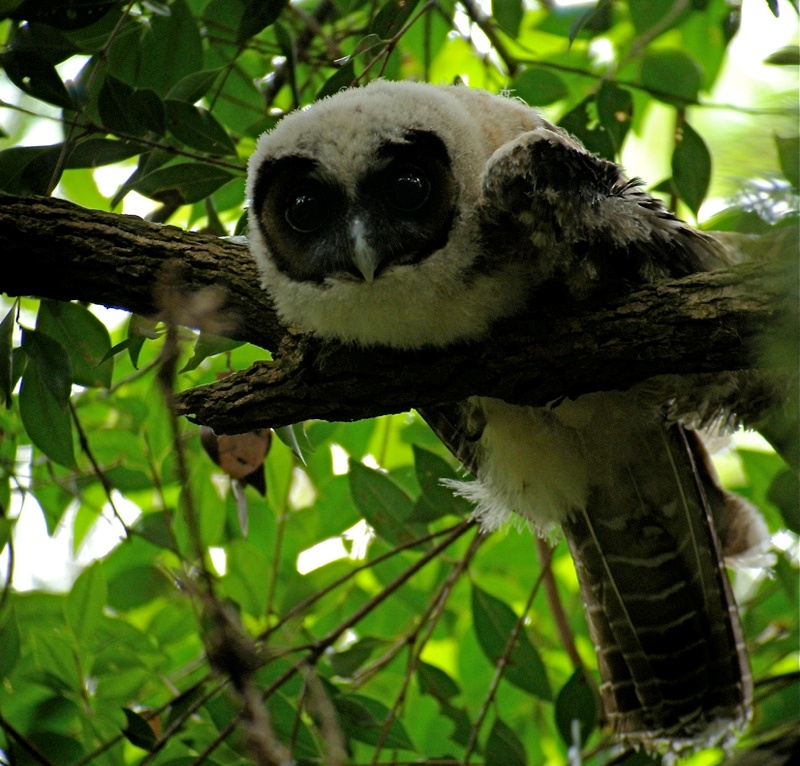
[(362, 617)]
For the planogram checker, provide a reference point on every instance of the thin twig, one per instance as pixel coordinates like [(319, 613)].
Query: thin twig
[(430, 619), (502, 662), (554, 600)]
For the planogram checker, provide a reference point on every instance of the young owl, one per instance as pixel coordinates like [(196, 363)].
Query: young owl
[(411, 215)]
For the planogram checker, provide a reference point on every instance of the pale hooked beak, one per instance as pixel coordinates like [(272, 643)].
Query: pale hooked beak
[(365, 258)]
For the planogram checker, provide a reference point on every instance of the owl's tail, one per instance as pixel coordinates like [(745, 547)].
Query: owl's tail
[(673, 662)]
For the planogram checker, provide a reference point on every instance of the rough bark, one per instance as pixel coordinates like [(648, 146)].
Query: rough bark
[(705, 323)]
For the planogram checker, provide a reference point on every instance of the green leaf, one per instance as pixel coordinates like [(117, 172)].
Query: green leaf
[(258, 15), (171, 50), (137, 587), (9, 637), (576, 705), (646, 14), (508, 14), (51, 359), (85, 338), (247, 577), (128, 110), (85, 602), (788, 56), (95, 152), (36, 76), (436, 682), (504, 746), (539, 86), (188, 182), (138, 731), (494, 622), (46, 421), (28, 169), (208, 345), (691, 168), (582, 122), (363, 718), (784, 492), (789, 158), (198, 128), (194, 86), (435, 500), (671, 76), (6, 355), (391, 18), (381, 502), (340, 79), (346, 662), (615, 110)]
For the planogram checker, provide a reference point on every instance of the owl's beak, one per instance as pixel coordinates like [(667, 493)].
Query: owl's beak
[(364, 256)]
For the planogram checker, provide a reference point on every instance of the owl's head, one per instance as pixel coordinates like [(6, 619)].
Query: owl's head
[(364, 213)]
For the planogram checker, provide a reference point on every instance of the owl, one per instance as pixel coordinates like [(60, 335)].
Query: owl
[(410, 215)]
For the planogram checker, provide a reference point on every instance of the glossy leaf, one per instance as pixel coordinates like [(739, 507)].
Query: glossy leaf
[(85, 338), (194, 86), (691, 167), (9, 637), (504, 746), (247, 577), (171, 50), (130, 110), (85, 602), (381, 502), (6, 355), (186, 182), (539, 86), (581, 122), (671, 76), (391, 17), (615, 108), (576, 709), (362, 718), (51, 359), (35, 76), (434, 681), (198, 128), (28, 169), (341, 78), (508, 14), (138, 731), (436, 500), (43, 397), (494, 622), (258, 14)]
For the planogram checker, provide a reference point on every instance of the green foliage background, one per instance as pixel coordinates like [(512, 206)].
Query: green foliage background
[(423, 641)]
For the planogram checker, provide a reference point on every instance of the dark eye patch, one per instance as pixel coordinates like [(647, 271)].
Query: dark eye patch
[(301, 218), (408, 202)]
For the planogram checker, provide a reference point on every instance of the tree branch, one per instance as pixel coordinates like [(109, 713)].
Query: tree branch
[(706, 323)]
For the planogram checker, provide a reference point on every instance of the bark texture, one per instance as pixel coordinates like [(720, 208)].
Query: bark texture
[(706, 323)]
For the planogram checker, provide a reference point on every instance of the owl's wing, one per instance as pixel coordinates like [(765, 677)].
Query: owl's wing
[(578, 220)]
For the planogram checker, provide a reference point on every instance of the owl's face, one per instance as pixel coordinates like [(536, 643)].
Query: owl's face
[(365, 214), (397, 209)]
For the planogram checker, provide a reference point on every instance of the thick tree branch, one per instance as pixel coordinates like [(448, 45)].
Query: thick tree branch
[(54, 249), (706, 323)]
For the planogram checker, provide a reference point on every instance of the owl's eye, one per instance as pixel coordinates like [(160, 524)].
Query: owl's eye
[(306, 209), (408, 188)]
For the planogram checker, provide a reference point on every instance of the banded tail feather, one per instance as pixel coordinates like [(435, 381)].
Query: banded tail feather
[(672, 658)]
